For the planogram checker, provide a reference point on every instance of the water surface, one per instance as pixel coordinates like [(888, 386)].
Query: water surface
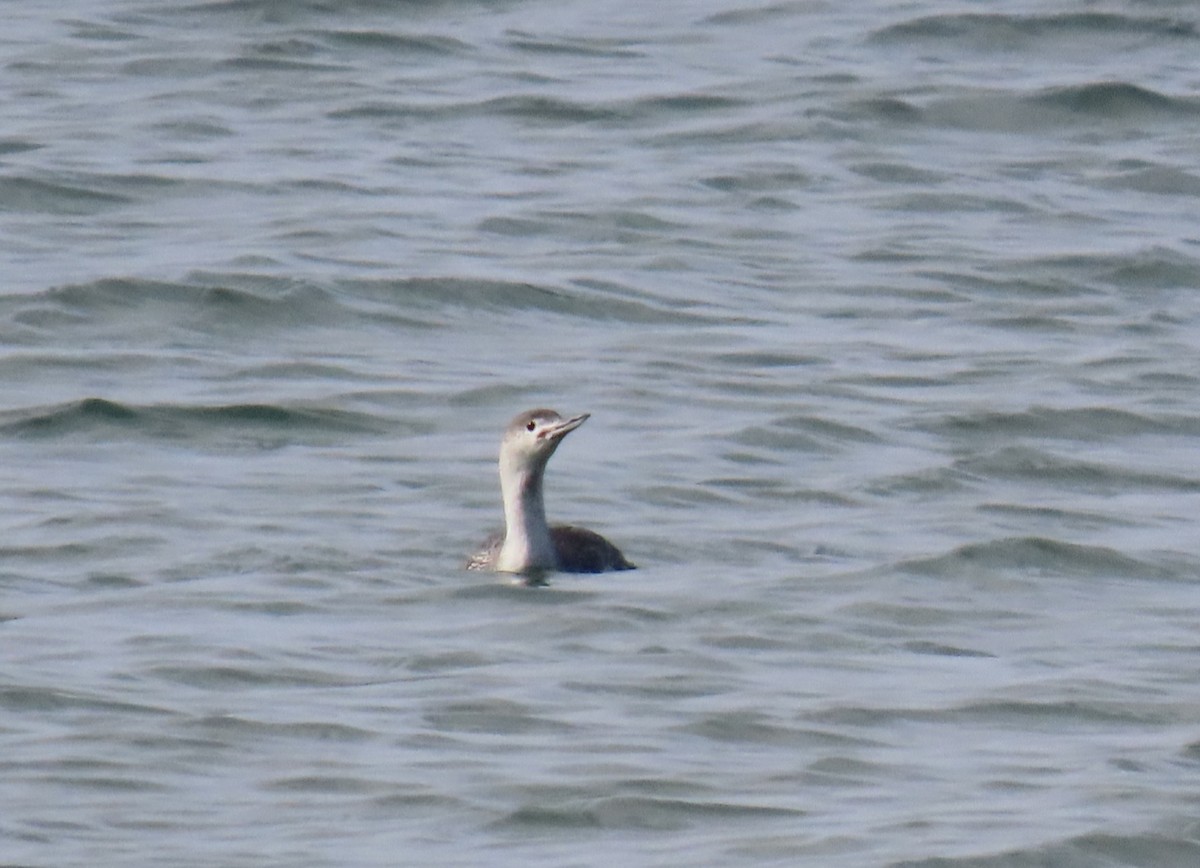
[(887, 317)]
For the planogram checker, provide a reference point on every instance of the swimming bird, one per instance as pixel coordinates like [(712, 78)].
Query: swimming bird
[(529, 546)]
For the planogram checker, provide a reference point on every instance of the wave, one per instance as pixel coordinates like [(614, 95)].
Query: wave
[(1160, 180), (542, 109), (997, 31), (1052, 109), (255, 295), (293, 12), (114, 420), (1115, 99), (589, 299), (1038, 555), (1010, 711), (1151, 267), (239, 304), (1166, 848), (402, 44), (640, 812), (1070, 423), (535, 43), (131, 309), (1024, 463), (34, 196)]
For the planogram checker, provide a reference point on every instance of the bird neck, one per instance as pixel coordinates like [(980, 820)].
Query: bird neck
[(527, 542)]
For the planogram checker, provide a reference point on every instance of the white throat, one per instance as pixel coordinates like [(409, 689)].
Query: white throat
[(528, 546)]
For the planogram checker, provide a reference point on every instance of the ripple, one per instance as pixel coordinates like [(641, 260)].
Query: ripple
[(227, 727), (116, 420), (1041, 556), (1062, 423), (1051, 110), (34, 196), (1023, 463), (631, 812), (1008, 32), (492, 716)]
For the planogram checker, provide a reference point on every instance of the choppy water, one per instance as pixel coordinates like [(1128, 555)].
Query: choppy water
[(888, 318)]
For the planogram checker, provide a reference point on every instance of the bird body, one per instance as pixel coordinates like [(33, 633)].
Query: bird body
[(529, 545)]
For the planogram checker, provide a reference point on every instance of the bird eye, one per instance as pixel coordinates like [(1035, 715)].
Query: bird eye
[(530, 425)]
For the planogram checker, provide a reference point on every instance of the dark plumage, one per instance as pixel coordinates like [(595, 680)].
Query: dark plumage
[(578, 549)]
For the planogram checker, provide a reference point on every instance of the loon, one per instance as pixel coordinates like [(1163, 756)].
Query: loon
[(529, 546)]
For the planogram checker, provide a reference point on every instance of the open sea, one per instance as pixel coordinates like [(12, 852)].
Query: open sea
[(887, 314)]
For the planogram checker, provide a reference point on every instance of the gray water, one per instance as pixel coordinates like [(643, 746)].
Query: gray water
[(887, 316)]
